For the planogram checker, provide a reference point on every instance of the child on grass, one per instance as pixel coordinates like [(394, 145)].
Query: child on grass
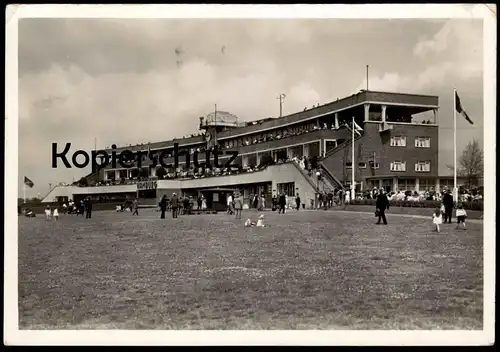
[(55, 214), (437, 218), (48, 213), (461, 216)]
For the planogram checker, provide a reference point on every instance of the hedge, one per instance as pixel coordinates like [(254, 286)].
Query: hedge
[(475, 205)]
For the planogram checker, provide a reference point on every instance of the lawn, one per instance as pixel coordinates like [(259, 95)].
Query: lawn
[(308, 270)]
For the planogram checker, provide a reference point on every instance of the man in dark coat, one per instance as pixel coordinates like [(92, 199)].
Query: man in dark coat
[(382, 205), (174, 205), (88, 207), (163, 206), (297, 201), (282, 203), (448, 206)]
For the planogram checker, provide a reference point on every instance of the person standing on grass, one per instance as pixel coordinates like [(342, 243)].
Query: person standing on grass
[(448, 207), (382, 204), (282, 203), (461, 216), (174, 204), (203, 203), (55, 215), (437, 218), (297, 201), (163, 206), (238, 204), (48, 213), (88, 207), (199, 201), (136, 207), (230, 204)]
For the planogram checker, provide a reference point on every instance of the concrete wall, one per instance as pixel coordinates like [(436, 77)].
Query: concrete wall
[(60, 191), (289, 173)]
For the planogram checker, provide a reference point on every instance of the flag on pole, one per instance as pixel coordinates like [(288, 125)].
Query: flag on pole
[(28, 182), (460, 109), (357, 129)]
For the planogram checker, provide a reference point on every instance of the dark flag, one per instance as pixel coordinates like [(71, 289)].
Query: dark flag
[(460, 109), (28, 182)]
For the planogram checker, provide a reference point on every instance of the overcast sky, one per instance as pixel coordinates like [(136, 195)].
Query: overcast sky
[(137, 80)]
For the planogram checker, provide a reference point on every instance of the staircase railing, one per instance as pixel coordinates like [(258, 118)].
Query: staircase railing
[(306, 175)]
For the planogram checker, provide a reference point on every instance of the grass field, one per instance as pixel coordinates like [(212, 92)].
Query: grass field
[(308, 270)]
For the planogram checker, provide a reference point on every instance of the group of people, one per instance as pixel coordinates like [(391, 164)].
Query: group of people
[(444, 213), (441, 215)]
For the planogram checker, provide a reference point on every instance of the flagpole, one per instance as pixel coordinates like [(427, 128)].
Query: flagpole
[(455, 190), (215, 124), (353, 184)]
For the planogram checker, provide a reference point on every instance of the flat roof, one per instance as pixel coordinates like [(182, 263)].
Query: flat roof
[(420, 101)]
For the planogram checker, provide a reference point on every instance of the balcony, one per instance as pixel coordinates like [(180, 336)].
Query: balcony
[(293, 141)]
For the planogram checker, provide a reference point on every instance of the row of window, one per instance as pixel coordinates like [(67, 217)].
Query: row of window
[(421, 166), (398, 166), (363, 165), (420, 142)]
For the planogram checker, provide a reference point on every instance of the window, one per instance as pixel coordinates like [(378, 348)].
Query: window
[(426, 185), (399, 141), (423, 166), (348, 165), (287, 188), (362, 165), (422, 142), (374, 165), (406, 185), (398, 166)]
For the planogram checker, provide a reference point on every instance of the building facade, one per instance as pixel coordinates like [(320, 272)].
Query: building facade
[(394, 148)]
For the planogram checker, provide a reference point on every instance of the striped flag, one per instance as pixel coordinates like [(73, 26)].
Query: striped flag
[(28, 182), (460, 109)]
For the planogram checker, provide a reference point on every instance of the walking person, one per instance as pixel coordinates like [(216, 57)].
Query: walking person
[(163, 206), (382, 204), (448, 207), (282, 203), (88, 207), (174, 204), (136, 207)]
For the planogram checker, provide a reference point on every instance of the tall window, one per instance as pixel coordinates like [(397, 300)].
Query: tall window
[(288, 188), (422, 142), (398, 141), (398, 166), (423, 166)]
